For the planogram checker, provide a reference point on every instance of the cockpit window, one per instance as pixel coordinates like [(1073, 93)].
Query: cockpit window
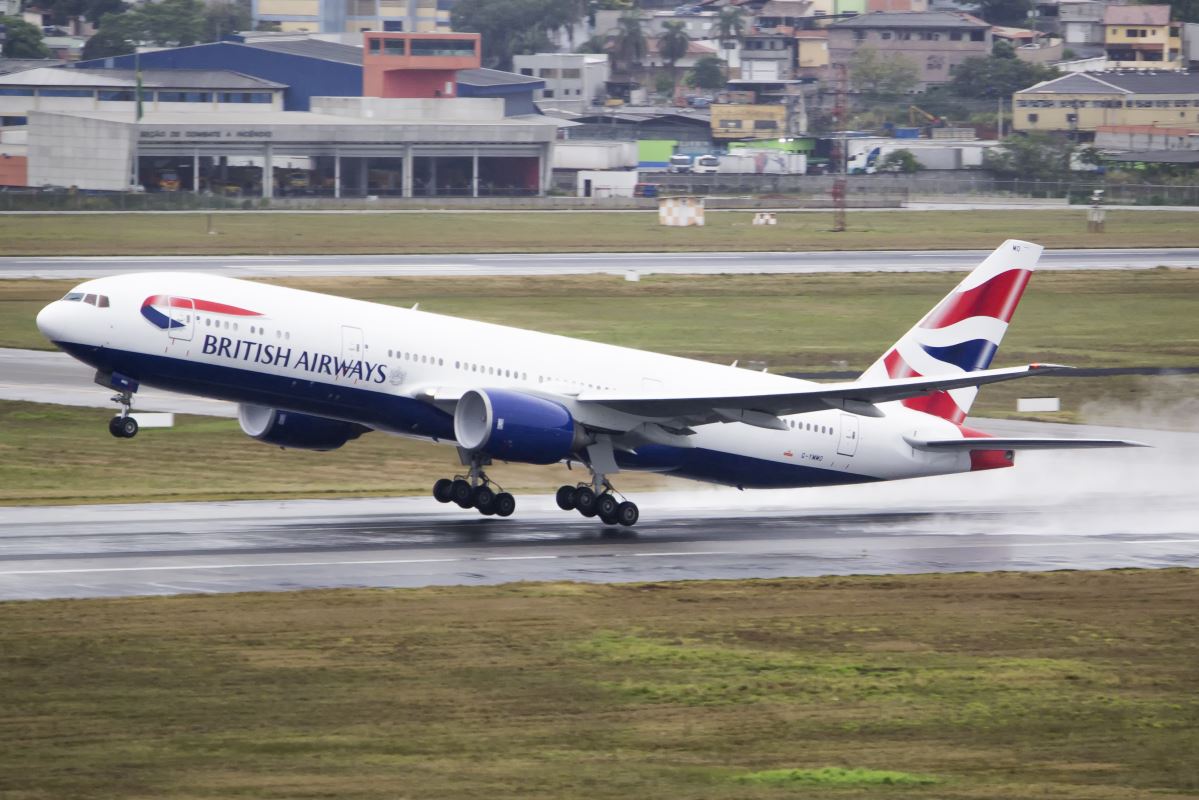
[(73, 297), (102, 301), (90, 299)]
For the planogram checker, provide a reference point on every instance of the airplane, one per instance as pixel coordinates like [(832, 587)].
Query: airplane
[(315, 371)]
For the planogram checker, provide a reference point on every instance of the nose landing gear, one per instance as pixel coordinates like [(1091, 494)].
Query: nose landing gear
[(123, 426)]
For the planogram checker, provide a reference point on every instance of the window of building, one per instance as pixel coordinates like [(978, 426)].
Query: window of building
[(116, 95), (548, 72), (526, 71), (396, 47), (859, 36), (572, 74), (885, 35), (730, 123), (185, 97), (443, 47), (66, 92), (903, 35), (978, 36), (373, 46), (15, 91), (765, 125), (955, 36), (547, 93), (244, 97), (1033, 117)]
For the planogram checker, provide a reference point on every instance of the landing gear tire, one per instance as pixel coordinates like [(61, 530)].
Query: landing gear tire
[(608, 519), (565, 497), (462, 493), (483, 499), (443, 490), (504, 504), (123, 427), (605, 507), (627, 514), (585, 501)]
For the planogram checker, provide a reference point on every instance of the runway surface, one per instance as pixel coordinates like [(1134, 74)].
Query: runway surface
[(1083, 510), (71, 267)]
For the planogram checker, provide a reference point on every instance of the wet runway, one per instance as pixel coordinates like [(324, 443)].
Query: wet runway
[(1083, 510)]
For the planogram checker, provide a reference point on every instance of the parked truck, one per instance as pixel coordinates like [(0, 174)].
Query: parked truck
[(763, 162)]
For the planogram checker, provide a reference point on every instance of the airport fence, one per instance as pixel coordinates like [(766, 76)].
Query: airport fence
[(802, 191)]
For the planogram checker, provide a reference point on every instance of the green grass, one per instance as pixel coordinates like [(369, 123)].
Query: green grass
[(432, 232), (834, 776), (793, 322), (1074, 686)]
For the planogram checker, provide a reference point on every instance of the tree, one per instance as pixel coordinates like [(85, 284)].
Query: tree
[(997, 77), (900, 161), (629, 45), (169, 23), (707, 74), (1002, 48), (509, 27), (729, 27), (877, 77), (224, 18), (108, 41), (672, 45), (1035, 156), (63, 11), (1013, 13), (1184, 10), (23, 40)]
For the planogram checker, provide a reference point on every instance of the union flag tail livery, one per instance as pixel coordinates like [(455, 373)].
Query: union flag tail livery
[(962, 332), (315, 372)]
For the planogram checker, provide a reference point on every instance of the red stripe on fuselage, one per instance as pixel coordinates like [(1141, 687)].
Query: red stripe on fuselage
[(996, 298), (200, 305)]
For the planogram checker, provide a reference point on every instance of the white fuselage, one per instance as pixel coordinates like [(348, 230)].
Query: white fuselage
[(385, 367)]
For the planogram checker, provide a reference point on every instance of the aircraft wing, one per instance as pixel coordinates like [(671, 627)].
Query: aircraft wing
[(999, 443), (858, 397)]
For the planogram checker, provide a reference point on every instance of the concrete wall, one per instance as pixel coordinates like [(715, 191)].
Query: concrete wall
[(445, 109), (77, 151)]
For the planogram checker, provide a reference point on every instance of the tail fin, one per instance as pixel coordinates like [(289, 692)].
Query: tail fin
[(963, 331)]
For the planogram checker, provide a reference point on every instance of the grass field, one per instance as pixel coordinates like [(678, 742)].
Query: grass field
[(1061, 685), (432, 232)]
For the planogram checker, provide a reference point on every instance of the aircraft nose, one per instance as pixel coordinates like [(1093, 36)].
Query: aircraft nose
[(52, 321)]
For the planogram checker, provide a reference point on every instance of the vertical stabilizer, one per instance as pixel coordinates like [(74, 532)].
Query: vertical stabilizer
[(963, 331)]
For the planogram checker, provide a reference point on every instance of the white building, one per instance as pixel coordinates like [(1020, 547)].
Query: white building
[(115, 90), (573, 81)]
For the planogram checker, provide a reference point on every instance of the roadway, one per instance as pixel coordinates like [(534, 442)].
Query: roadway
[(700, 263), (1082, 510)]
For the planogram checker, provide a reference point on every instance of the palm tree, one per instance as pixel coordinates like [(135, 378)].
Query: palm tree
[(629, 44), (729, 27), (672, 45)]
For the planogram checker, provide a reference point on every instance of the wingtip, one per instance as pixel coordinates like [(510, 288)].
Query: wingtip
[(1039, 367)]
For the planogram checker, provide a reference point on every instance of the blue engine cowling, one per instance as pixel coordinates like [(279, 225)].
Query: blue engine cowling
[(297, 431), (513, 426)]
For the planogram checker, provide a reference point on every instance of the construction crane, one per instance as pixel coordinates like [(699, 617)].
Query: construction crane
[(931, 119)]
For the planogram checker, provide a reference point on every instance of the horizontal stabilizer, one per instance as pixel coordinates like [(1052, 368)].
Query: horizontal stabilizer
[(997, 443)]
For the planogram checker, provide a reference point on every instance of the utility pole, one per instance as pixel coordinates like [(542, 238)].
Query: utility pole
[(838, 160)]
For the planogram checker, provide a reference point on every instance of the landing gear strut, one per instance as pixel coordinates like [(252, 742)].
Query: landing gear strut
[(123, 426), (598, 499), (474, 490)]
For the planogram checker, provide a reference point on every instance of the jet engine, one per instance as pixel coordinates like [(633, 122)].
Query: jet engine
[(514, 426), (296, 431)]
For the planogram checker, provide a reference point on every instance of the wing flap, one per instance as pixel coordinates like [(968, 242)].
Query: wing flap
[(858, 397), (1018, 443)]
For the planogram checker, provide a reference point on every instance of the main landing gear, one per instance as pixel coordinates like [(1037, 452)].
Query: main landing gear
[(474, 490), (598, 500), (123, 426)]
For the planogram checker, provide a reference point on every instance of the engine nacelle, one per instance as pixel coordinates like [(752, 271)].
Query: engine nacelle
[(297, 431), (513, 426)]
